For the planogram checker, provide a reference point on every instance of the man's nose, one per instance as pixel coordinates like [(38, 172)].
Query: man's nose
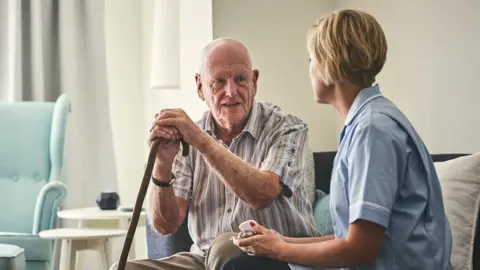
[(231, 88)]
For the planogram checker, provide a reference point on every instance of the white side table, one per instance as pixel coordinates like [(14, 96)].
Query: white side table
[(77, 239), (95, 213)]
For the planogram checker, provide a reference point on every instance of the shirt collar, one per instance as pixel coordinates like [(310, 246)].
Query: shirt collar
[(252, 126), (362, 99)]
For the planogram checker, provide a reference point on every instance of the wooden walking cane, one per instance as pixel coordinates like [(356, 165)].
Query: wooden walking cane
[(140, 198)]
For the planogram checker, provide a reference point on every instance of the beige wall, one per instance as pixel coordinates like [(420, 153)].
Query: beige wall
[(430, 72), (432, 67), (274, 31)]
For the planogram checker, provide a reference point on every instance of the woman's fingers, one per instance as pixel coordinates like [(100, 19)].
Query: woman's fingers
[(245, 242), (259, 228)]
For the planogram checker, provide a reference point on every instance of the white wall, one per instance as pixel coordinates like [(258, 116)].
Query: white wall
[(432, 67), (123, 20), (275, 31), (195, 32), (124, 48), (128, 27)]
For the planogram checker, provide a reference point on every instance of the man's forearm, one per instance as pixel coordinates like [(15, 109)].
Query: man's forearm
[(306, 240), (253, 186), (336, 253), (163, 209)]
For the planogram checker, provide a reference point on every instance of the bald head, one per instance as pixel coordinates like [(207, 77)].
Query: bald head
[(223, 50)]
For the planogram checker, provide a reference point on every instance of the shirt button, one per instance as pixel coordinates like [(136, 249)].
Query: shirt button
[(229, 210)]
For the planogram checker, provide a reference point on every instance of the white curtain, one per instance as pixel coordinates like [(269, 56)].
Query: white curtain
[(28, 58), (49, 47)]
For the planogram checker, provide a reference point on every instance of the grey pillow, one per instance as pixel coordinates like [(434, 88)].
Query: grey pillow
[(310, 177), (460, 182)]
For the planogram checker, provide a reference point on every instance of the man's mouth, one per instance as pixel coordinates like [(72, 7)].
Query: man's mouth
[(231, 105)]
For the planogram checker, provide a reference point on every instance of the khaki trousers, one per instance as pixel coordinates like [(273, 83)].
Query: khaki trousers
[(220, 252)]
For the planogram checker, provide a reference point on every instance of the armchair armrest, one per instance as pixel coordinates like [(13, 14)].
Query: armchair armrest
[(48, 201)]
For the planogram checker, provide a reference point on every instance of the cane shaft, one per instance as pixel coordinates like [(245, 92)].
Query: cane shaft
[(140, 198)]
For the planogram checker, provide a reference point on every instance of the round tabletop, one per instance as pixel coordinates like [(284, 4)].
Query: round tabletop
[(81, 233), (95, 213)]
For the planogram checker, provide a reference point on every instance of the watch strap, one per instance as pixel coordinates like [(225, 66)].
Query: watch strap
[(163, 184)]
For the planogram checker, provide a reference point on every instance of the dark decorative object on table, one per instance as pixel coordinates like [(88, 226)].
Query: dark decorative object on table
[(108, 200)]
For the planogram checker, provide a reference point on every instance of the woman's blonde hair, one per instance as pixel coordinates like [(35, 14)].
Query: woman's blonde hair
[(348, 45)]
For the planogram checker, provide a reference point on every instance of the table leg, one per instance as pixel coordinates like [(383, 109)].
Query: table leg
[(103, 251), (80, 255), (100, 245), (124, 223), (108, 253), (68, 255)]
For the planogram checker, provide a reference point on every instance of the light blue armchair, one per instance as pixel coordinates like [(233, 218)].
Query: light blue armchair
[(32, 138)]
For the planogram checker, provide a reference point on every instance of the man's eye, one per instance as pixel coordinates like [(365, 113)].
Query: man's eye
[(219, 80), (240, 79)]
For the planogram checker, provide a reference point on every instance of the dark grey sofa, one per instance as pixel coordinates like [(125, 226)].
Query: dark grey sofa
[(160, 246)]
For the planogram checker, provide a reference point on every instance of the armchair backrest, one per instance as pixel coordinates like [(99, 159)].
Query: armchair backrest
[(32, 136)]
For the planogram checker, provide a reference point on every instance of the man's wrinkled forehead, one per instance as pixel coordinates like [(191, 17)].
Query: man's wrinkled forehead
[(226, 56)]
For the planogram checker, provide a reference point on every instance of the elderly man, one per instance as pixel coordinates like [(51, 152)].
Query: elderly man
[(246, 162)]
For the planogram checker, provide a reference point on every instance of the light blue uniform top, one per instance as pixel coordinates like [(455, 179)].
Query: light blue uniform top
[(383, 173)]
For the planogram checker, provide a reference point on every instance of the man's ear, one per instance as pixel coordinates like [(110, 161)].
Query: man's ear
[(256, 73), (198, 81)]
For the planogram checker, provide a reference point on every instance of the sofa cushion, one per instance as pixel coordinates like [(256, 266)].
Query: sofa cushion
[(323, 169), (460, 182), (321, 213), (36, 248)]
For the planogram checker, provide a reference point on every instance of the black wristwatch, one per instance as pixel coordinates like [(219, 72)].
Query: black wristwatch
[(163, 184)]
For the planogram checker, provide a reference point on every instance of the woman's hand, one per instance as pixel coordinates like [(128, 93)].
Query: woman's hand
[(265, 243)]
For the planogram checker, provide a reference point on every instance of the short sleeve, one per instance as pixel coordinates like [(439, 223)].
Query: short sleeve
[(286, 156), (183, 173), (373, 171)]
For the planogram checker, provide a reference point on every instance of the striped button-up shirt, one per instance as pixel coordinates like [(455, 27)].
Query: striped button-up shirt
[(273, 141)]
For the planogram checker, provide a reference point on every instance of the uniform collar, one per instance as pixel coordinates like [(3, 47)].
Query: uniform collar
[(252, 126), (362, 99)]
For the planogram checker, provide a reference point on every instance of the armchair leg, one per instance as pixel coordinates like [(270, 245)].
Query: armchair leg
[(54, 264)]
